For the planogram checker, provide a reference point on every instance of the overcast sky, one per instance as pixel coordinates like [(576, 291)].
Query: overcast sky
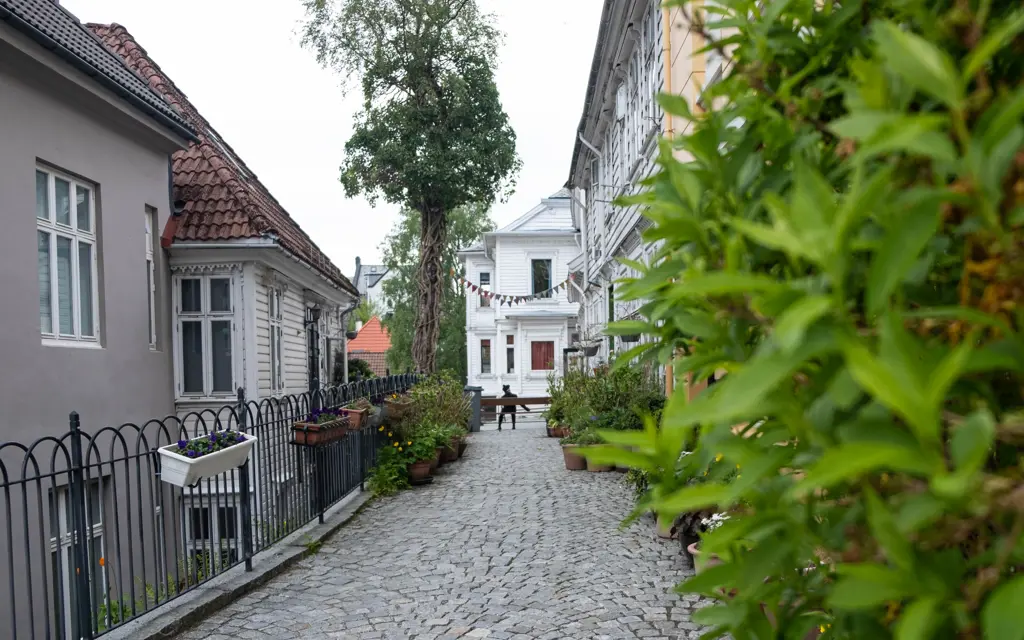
[(240, 63)]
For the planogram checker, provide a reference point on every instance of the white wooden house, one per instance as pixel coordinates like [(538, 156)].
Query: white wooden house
[(642, 50), (521, 343)]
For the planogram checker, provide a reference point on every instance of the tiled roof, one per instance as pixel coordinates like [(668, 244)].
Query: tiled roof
[(224, 200), (55, 28), (372, 338), (378, 361)]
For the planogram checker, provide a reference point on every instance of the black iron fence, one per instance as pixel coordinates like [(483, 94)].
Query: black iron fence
[(91, 537)]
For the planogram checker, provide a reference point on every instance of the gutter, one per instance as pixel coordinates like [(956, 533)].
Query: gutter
[(85, 67)]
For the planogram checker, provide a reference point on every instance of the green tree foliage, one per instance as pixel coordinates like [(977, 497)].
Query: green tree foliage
[(466, 225), (843, 232), (432, 135), (367, 309)]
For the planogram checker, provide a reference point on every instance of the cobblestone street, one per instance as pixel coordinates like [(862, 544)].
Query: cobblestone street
[(504, 544)]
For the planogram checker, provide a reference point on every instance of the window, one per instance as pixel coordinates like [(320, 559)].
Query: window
[(485, 356), (206, 328), (542, 356), (151, 275), (541, 271), (510, 353), (212, 536), (485, 285), (66, 249), (62, 559), (611, 315), (276, 367)]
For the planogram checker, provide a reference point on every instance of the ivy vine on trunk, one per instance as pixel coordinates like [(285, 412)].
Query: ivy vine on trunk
[(432, 134)]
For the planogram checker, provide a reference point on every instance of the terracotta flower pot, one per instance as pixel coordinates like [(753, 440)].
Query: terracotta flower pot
[(313, 434), (700, 562), (551, 432), (573, 460), (356, 418), (561, 431), (462, 447), (440, 457), (419, 471), (451, 452), (435, 462), (599, 468)]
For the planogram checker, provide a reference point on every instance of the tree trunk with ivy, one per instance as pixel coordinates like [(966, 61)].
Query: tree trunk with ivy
[(430, 288)]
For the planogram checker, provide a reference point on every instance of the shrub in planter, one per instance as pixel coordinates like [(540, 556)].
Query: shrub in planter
[(845, 239), (573, 447), (358, 413), (391, 474), (420, 454)]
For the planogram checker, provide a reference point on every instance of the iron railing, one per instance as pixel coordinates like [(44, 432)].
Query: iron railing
[(90, 537)]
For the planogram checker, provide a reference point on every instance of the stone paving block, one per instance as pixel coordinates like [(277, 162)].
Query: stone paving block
[(504, 544)]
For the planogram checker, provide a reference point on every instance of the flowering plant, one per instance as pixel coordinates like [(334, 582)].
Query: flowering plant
[(716, 520), (211, 443), (320, 416)]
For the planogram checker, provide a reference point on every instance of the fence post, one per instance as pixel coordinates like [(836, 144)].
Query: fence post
[(243, 482), (80, 530)]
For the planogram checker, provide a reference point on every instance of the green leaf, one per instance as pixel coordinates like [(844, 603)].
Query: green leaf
[(850, 461), (993, 41), (644, 440), (792, 326), (919, 63), (866, 586), (883, 526), (864, 124), (919, 620), (675, 104), (904, 240), (725, 283), (949, 369), (622, 457), (896, 392), (627, 327), (779, 238), (919, 511), (691, 498), (1001, 615), (719, 614), (972, 441)]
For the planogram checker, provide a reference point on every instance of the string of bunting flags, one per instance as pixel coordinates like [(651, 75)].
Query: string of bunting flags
[(502, 298)]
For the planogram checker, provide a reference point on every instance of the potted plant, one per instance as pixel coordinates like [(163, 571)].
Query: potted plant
[(420, 453), (397, 406), (709, 524), (323, 426), (588, 437), (186, 462), (358, 412), (570, 453)]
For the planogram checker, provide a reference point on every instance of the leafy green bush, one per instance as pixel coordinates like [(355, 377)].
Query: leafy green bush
[(842, 232), (439, 399), (390, 475)]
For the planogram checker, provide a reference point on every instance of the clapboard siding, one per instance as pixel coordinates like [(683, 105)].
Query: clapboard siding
[(263, 334), (546, 218)]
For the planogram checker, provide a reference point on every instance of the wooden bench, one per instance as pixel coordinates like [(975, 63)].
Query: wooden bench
[(512, 402)]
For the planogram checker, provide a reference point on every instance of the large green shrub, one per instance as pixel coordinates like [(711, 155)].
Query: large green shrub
[(843, 233)]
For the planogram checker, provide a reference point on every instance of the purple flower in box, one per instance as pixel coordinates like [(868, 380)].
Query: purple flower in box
[(191, 454), (183, 444), (241, 438)]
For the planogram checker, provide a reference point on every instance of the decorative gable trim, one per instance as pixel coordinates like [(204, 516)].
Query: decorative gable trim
[(207, 267)]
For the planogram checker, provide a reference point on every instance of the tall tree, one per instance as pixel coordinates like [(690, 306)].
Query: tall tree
[(432, 134), (401, 255)]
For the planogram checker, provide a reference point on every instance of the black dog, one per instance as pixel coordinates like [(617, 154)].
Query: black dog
[(509, 408)]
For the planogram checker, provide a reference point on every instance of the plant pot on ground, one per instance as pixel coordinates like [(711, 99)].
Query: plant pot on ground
[(188, 461), (573, 460), (463, 444), (421, 453), (439, 457), (419, 471), (451, 450), (598, 468)]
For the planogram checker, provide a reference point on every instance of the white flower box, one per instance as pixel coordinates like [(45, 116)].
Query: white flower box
[(183, 471)]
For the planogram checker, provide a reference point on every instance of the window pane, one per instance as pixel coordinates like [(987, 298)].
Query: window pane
[(62, 193), (220, 294), (510, 358), (510, 339), (150, 289), (191, 295), (64, 298), (485, 356), (200, 521), (220, 346), (45, 296), (226, 526), (85, 287), (192, 356), (542, 356), (42, 196), (485, 278), (541, 276), (82, 208)]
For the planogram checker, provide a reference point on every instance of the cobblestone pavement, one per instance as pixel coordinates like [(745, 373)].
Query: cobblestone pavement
[(504, 544)]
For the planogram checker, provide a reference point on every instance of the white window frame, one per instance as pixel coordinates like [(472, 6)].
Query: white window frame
[(490, 356), (484, 303), (510, 346), (78, 237), (151, 275), (206, 317), (276, 301)]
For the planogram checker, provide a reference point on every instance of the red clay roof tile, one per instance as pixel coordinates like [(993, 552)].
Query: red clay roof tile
[(372, 338), (223, 198)]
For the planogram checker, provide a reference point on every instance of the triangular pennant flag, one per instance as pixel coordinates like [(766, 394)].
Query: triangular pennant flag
[(474, 288)]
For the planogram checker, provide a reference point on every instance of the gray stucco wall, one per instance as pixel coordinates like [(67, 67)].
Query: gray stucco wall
[(124, 380)]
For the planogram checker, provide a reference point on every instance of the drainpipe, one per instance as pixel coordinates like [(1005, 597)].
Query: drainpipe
[(344, 327), (587, 144)]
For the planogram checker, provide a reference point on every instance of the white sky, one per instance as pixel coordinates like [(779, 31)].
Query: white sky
[(240, 63)]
